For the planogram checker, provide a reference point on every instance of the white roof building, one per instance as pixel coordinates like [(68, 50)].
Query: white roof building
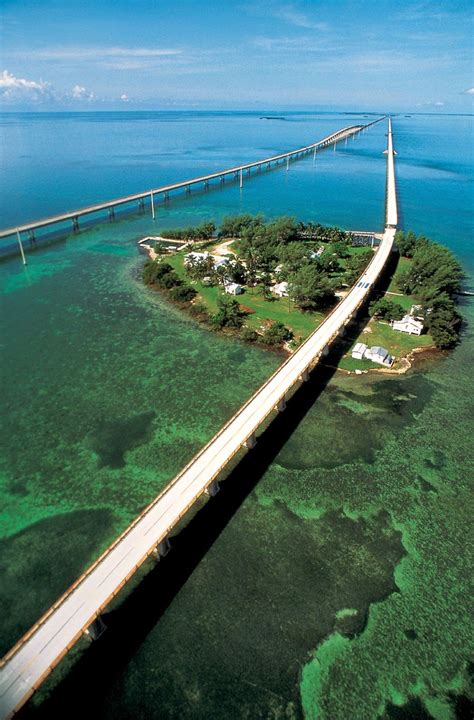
[(193, 257), (358, 351), (408, 324), (280, 289), (233, 288)]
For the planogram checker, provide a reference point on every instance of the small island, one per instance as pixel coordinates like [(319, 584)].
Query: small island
[(273, 282)]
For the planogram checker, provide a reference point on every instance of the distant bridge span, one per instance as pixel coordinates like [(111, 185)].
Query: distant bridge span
[(236, 172), (29, 662)]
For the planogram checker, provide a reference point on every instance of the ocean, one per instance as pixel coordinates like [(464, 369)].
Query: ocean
[(328, 578)]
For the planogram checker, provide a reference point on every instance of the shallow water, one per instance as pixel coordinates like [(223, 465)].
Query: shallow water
[(328, 578)]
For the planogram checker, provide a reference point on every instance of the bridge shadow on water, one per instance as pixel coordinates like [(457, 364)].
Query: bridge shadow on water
[(99, 666)]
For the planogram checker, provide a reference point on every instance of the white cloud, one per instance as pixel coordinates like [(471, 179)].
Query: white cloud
[(13, 88), (99, 53), (79, 92), (469, 91), (124, 97), (293, 16)]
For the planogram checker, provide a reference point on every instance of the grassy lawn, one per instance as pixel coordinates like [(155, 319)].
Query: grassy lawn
[(402, 265), (397, 343), (279, 309)]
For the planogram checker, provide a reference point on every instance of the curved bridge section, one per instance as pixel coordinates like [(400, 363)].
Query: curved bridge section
[(78, 610)]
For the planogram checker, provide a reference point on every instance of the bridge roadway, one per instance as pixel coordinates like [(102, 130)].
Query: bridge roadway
[(27, 664), (73, 215)]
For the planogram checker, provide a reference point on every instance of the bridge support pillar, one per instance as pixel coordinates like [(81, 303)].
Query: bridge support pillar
[(75, 224), (342, 331), (167, 196), (251, 441), (222, 178), (162, 549), (304, 377), (281, 405), (96, 628), (206, 184), (325, 351), (23, 258), (111, 214), (31, 237), (212, 489), (141, 204), (188, 189)]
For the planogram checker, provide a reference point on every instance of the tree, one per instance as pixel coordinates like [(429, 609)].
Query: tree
[(356, 264), (229, 313), (386, 309), (248, 335), (405, 242), (183, 293), (154, 271), (232, 225), (276, 334), (340, 249), (442, 321), (169, 280), (200, 268), (310, 288)]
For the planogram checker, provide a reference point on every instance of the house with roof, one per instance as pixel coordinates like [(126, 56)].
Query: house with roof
[(280, 289), (233, 289), (194, 257), (358, 351), (408, 324), (379, 355)]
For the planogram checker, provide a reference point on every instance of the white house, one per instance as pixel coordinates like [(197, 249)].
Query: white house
[(379, 355), (408, 324), (280, 289), (358, 351), (233, 288), (219, 261), (194, 257)]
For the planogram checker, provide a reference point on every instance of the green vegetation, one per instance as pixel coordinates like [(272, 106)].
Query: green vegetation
[(229, 313), (276, 334), (204, 231), (433, 278), (314, 262), (386, 309)]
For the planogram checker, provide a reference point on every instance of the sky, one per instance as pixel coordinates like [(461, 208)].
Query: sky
[(380, 55)]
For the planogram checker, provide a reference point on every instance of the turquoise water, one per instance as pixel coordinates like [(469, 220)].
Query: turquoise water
[(328, 578)]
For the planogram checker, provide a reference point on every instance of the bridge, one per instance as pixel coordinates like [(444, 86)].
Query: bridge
[(234, 172), (29, 662)]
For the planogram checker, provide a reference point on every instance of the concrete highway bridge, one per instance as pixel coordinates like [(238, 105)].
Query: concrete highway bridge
[(150, 195), (29, 662)]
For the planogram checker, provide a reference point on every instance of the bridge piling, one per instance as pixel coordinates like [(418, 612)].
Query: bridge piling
[(281, 405), (96, 628), (141, 203), (111, 214), (251, 441), (75, 223), (163, 548), (212, 489), (304, 377), (21, 247)]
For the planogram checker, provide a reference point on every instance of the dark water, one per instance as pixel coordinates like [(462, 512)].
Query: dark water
[(330, 577)]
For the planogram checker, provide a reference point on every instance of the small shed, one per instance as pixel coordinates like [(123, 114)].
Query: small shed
[(233, 289), (358, 351), (280, 289)]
